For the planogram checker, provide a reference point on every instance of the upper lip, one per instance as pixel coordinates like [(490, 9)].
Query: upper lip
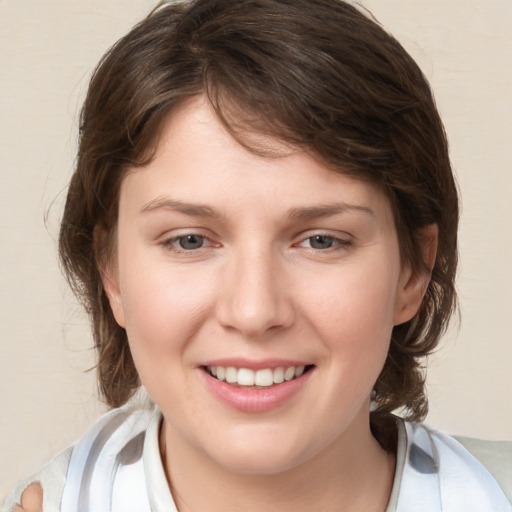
[(255, 364)]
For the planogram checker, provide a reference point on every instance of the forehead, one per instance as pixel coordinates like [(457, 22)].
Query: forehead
[(198, 161)]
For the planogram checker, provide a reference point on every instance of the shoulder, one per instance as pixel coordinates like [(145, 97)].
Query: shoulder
[(116, 433), (496, 456), (474, 471), (52, 478)]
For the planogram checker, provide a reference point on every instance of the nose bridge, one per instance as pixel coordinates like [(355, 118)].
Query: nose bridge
[(254, 298)]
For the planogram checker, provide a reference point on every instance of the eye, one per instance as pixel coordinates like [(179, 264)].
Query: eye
[(187, 243), (190, 242), (322, 241)]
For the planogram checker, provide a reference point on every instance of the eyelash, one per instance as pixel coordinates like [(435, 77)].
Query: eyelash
[(337, 243), (172, 243), (175, 244)]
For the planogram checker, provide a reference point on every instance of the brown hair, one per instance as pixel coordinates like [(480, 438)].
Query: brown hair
[(318, 74)]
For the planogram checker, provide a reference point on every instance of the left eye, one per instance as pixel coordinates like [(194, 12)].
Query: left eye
[(190, 242), (321, 241)]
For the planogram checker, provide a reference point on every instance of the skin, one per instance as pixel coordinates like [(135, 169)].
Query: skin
[(255, 288), (257, 285), (31, 499)]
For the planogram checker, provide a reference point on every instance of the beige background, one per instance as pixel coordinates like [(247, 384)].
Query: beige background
[(47, 51)]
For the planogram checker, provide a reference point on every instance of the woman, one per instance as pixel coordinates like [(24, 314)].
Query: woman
[(262, 225)]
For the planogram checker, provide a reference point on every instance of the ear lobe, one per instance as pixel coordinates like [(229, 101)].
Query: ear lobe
[(105, 259), (414, 284)]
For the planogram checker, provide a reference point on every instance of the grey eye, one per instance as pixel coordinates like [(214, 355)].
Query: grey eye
[(321, 242), (191, 242)]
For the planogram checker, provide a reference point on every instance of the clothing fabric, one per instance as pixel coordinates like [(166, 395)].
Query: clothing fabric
[(116, 467)]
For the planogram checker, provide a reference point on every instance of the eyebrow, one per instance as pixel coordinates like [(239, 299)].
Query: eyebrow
[(192, 209), (304, 213), (315, 212)]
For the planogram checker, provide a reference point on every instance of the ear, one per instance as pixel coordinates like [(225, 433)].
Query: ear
[(106, 260), (413, 285)]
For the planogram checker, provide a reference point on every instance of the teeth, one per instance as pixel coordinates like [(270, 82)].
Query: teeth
[(289, 373), (262, 378), (231, 375), (221, 373), (279, 375), (245, 377)]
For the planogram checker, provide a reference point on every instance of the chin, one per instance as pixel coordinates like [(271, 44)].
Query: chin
[(258, 463), (255, 455)]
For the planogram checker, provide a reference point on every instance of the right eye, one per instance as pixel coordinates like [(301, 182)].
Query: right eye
[(321, 242), (190, 242)]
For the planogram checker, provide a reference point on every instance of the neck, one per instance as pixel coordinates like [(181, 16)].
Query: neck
[(353, 474)]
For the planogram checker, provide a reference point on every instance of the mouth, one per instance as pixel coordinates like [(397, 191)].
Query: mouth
[(256, 379)]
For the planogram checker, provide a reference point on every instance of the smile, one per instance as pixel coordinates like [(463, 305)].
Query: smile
[(263, 378)]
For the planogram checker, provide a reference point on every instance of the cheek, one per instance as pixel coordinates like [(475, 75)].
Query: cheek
[(353, 314), (353, 300), (162, 307), (163, 312)]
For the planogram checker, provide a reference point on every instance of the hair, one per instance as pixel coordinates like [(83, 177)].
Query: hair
[(316, 74)]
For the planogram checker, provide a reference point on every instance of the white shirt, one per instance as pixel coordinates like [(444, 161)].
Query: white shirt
[(116, 467)]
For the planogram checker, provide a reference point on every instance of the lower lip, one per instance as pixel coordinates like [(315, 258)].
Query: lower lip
[(255, 399)]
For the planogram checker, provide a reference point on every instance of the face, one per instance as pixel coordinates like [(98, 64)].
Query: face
[(258, 295)]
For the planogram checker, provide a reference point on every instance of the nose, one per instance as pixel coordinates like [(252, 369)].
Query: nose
[(254, 297)]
